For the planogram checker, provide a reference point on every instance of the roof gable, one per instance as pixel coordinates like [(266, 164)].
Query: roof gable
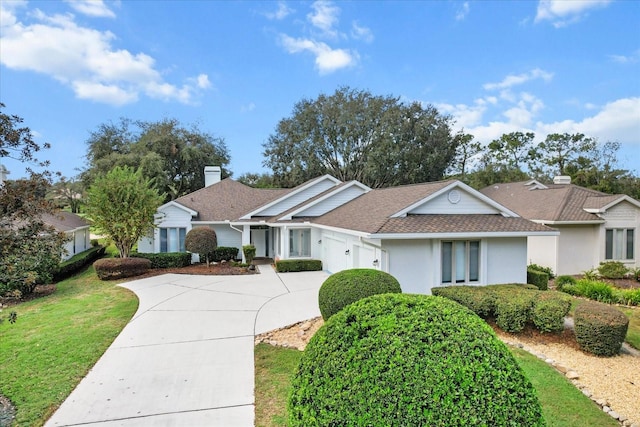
[(603, 203), (328, 202), (455, 198), (65, 221), (294, 197)]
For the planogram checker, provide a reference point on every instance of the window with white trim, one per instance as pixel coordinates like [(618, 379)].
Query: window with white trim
[(461, 261), (172, 239), (619, 243), (300, 242)]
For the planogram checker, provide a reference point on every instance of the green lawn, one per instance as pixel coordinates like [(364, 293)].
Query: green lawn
[(563, 405), (56, 340), (633, 334)]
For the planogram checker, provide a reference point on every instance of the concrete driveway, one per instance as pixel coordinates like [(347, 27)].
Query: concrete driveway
[(186, 357)]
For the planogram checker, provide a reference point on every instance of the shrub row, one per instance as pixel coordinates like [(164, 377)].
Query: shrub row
[(119, 268), (348, 286), (75, 263), (600, 328), (600, 291), (409, 360), (512, 306), (538, 278), (293, 265), (166, 259)]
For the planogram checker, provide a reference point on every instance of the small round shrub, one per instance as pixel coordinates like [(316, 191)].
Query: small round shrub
[(600, 328), (409, 360), (563, 281), (119, 268), (479, 299), (348, 286), (202, 241)]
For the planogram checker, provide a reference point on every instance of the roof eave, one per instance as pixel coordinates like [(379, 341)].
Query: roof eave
[(586, 222), (462, 235)]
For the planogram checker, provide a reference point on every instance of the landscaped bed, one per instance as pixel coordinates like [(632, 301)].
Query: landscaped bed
[(614, 379)]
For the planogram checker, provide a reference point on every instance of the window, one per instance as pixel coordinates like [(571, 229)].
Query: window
[(172, 239), (619, 243), (300, 242), (461, 261)]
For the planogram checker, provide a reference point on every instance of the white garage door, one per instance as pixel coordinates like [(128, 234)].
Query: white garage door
[(334, 257)]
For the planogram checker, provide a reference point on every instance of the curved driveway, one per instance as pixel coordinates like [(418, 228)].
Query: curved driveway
[(186, 357)]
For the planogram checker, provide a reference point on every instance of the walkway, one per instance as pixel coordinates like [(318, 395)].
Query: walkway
[(186, 357)]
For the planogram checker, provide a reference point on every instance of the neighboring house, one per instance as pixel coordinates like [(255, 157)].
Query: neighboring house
[(74, 227), (426, 235), (593, 226)]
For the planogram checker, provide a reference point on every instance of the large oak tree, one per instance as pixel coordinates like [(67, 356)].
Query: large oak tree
[(355, 135), (173, 155)]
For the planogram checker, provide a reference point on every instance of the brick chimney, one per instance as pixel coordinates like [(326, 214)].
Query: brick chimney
[(211, 175)]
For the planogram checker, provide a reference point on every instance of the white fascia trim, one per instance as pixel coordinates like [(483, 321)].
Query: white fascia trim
[(336, 181), (342, 230), (545, 222), (325, 197), (179, 206), (622, 198), (476, 235), (503, 210)]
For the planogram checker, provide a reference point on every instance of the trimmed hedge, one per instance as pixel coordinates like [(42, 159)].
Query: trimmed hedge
[(547, 270), (538, 278), (409, 360), (348, 286), (166, 259), (512, 306), (224, 253), (295, 265), (549, 311), (600, 328), (78, 261), (119, 268)]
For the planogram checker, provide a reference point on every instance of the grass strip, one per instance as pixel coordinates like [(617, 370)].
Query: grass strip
[(56, 341)]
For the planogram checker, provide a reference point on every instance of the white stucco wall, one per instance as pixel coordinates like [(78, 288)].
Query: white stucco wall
[(506, 260), (578, 248), (79, 241), (412, 262), (543, 250)]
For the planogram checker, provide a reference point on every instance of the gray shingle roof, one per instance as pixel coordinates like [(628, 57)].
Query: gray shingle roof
[(64, 221), (369, 212), (228, 200), (442, 223), (558, 202)]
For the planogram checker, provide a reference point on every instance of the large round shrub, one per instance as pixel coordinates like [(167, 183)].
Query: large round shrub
[(600, 328), (410, 360), (202, 241), (348, 286)]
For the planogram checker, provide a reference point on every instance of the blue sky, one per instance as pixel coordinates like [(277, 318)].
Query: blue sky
[(237, 68)]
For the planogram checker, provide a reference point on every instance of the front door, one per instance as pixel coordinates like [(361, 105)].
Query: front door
[(259, 240)]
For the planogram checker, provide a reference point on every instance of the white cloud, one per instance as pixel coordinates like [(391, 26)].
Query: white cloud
[(626, 59), (248, 108), (324, 16), (562, 12), (327, 59), (514, 80), (282, 12), (85, 59), (615, 121), (466, 115), (95, 8), (361, 33), (463, 11)]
